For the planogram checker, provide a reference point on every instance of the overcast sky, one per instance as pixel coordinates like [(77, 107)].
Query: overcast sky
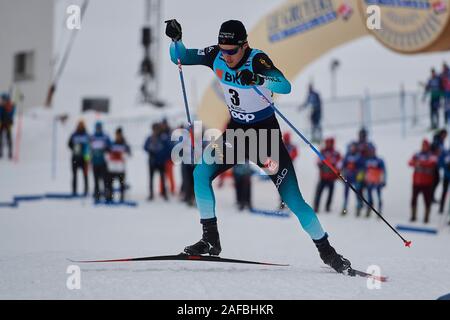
[(107, 54)]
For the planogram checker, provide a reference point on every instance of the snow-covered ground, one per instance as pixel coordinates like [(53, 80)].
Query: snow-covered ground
[(38, 238)]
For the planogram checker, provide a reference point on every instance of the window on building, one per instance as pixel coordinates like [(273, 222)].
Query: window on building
[(24, 66)]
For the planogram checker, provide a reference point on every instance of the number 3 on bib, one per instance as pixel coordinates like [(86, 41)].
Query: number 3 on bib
[(234, 97)]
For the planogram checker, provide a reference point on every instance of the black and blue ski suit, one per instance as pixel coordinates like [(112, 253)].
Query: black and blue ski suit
[(248, 111)]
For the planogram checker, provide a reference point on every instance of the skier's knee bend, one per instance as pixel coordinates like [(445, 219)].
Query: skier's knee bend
[(294, 199), (302, 209), (298, 205)]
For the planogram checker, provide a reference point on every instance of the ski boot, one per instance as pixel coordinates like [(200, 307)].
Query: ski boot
[(209, 243), (331, 258)]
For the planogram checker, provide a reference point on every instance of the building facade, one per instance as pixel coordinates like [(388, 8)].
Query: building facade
[(26, 49)]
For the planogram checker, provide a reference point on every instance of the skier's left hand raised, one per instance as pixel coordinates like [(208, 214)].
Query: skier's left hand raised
[(249, 78), (173, 29)]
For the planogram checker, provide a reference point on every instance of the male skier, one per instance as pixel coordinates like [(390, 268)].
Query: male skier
[(239, 68)]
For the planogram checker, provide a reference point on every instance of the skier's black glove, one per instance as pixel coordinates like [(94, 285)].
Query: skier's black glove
[(173, 29), (249, 78)]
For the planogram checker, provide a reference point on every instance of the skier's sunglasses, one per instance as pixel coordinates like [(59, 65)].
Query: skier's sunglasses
[(230, 52)]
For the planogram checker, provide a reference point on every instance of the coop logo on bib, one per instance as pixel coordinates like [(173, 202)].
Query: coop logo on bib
[(247, 117)]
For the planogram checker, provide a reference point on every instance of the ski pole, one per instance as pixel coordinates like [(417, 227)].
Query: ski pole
[(329, 165), (183, 87)]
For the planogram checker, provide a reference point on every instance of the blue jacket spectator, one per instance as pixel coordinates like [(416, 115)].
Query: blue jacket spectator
[(79, 145), (444, 164), (79, 142), (158, 146), (434, 89), (375, 178), (314, 100), (100, 144), (352, 163), (7, 110)]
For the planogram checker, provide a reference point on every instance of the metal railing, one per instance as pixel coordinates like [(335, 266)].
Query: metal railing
[(367, 110)]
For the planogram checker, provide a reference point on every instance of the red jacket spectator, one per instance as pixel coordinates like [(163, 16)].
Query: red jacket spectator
[(424, 163), (333, 157), (291, 148)]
